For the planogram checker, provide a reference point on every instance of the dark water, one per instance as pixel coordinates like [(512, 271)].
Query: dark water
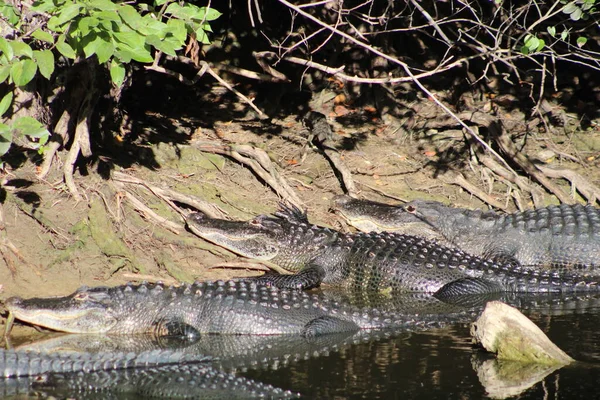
[(434, 364), (442, 364)]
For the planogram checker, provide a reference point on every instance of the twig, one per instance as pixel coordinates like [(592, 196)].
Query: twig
[(406, 69), (204, 67)]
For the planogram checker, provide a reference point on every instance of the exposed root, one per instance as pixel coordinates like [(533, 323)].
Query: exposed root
[(509, 148), (346, 175), (147, 213), (81, 143), (60, 137), (459, 179), (169, 196), (258, 161), (588, 190), (148, 278)]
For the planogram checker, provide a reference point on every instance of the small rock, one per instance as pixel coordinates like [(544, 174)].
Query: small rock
[(503, 330)]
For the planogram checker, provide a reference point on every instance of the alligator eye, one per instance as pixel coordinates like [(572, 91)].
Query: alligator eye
[(81, 296), (411, 209), (255, 222)]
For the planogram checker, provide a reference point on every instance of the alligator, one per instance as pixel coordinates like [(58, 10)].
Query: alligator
[(226, 307), (372, 261), (150, 373), (193, 381), (565, 237), (30, 363)]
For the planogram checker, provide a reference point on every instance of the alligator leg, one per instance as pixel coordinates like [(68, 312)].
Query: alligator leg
[(307, 278), (326, 325), (177, 328), (467, 286)]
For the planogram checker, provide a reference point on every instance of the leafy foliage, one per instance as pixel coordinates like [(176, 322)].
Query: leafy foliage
[(115, 32)]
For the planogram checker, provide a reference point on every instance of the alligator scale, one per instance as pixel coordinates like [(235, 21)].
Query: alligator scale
[(565, 237), (373, 261)]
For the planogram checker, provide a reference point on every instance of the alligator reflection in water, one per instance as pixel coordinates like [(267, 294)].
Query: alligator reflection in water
[(368, 364)]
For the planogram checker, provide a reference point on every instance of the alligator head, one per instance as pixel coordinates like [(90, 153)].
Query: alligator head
[(371, 216), (285, 238), (253, 239), (85, 311)]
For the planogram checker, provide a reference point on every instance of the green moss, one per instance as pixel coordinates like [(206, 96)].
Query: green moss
[(104, 234)]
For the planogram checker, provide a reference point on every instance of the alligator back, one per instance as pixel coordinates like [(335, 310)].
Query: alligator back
[(558, 237)]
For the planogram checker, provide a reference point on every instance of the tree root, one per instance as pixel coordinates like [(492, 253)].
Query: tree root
[(146, 212), (346, 175), (169, 196), (81, 143), (258, 161), (459, 179)]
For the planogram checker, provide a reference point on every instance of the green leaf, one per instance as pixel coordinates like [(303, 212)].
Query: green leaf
[(68, 13), (150, 26), (23, 71), (174, 9), (166, 46), (6, 49), (104, 5), (541, 45), (210, 14), (108, 16), (570, 8), (10, 13), (65, 48), (141, 54), (5, 139), (177, 28), (130, 16), (90, 43), (160, 2), (201, 36), (4, 72), (31, 127), (43, 36), (581, 41), (117, 73), (45, 62), (105, 51), (44, 6), (21, 48), (576, 15), (552, 31), (86, 24), (564, 35), (5, 103), (532, 44), (524, 50), (130, 38)]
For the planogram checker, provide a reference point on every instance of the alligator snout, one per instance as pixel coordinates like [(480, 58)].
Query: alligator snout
[(13, 302)]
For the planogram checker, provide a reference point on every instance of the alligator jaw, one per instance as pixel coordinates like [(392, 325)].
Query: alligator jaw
[(55, 317)]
